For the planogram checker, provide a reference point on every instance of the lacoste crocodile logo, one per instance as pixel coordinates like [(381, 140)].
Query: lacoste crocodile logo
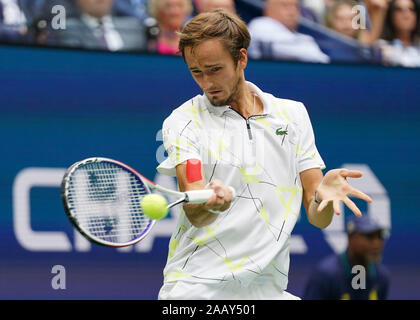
[(281, 132)]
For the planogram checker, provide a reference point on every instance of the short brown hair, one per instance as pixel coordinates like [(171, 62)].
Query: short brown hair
[(218, 24)]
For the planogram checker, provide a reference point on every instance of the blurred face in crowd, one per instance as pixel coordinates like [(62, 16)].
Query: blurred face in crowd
[(96, 8), (210, 5), (173, 13), (329, 3), (367, 247), (285, 11), (215, 71), (342, 20), (404, 17)]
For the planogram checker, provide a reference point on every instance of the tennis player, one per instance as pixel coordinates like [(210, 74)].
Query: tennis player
[(264, 147)]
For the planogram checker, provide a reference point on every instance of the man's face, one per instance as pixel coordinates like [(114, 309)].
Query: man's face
[(367, 245), (214, 70), (96, 8), (285, 11)]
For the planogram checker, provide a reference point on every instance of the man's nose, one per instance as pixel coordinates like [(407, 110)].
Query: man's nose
[(207, 81)]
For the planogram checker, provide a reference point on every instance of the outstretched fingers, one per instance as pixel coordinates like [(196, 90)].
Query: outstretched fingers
[(324, 204), (336, 207), (361, 195), (351, 173), (352, 206)]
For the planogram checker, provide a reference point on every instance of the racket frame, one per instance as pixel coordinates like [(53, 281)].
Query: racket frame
[(73, 219)]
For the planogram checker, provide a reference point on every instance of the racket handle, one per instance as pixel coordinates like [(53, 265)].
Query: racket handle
[(201, 196)]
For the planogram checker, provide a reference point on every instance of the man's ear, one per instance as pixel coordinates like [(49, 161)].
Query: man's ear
[(243, 58)]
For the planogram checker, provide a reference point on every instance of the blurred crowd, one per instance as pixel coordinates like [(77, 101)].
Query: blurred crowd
[(305, 30)]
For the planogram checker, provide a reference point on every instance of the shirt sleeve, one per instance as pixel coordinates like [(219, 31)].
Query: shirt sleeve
[(307, 152), (180, 142)]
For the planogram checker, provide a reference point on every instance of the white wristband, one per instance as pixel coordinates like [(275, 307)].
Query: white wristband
[(213, 211)]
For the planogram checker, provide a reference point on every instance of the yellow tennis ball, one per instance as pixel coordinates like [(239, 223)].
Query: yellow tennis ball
[(154, 206)]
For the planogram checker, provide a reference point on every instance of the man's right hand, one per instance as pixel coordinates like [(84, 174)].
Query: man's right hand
[(221, 199), (201, 215)]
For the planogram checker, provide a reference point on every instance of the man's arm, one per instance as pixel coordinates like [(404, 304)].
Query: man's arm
[(331, 189), (199, 214), (377, 10), (311, 179)]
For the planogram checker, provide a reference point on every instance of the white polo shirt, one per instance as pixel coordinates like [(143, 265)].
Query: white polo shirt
[(261, 157)]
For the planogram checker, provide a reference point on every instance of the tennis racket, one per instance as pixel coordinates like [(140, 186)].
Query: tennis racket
[(101, 197)]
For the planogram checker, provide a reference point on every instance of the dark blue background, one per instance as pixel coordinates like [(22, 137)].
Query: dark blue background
[(61, 106)]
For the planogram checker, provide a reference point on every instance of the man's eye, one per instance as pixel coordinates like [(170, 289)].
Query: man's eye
[(215, 69)]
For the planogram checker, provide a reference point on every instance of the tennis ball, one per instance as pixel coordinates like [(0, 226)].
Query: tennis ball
[(154, 206)]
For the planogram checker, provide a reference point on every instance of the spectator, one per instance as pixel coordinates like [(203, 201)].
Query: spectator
[(13, 21), (401, 36), (42, 13), (373, 15), (97, 28), (38, 31), (318, 8), (171, 15), (46, 8), (210, 5), (308, 13), (339, 17), (376, 11), (274, 35), (333, 278), (134, 8)]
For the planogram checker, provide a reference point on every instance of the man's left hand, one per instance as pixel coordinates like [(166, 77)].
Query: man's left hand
[(334, 187)]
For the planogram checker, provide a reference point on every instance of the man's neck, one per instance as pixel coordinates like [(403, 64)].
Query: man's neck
[(246, 102)]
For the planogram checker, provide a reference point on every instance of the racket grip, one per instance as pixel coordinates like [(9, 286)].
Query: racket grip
[(201, 196)]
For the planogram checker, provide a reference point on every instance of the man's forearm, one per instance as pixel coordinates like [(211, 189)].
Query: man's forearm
[(320, 219)]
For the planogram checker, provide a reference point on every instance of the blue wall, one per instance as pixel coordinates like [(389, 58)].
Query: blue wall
[(58, 106)]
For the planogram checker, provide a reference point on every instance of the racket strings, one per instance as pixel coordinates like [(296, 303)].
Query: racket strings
[(105, 201)]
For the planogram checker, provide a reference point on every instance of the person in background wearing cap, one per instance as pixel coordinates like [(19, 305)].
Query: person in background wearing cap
[(333, 278)]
